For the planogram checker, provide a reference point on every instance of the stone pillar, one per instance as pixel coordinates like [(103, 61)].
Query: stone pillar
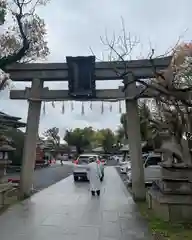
[(31, 135), (186, 152), (134, 139)]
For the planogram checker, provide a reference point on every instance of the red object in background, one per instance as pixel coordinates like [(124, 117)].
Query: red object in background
[(75, 161), (101, 161), (14, 180), (53, 161)]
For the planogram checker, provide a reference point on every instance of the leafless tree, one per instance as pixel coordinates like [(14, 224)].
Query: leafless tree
[(172, 86)]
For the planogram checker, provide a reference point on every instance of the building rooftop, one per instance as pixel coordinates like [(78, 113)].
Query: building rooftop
[(10, 121)]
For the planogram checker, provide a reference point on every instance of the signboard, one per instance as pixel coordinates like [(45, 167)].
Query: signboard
[(81, 72), (39, 154)]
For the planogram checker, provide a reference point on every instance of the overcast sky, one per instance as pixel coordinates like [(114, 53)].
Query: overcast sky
[(74, 26)]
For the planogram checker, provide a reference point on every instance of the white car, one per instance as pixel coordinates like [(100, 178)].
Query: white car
[(116, 158), (152, 169), (125, 168), (83, 160)]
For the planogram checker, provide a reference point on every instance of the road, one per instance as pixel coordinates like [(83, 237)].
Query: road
[(44, 177)]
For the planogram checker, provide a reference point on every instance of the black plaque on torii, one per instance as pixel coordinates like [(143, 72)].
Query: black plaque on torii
[(81, 72)]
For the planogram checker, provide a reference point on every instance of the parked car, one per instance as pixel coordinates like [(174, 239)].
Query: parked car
[(125, 168), (152, 169), (126, 165), (122, 161), (117, 158), (83, 159), (145, 156)]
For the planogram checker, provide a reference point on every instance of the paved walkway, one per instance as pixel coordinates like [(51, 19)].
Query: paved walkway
[(67, 211)]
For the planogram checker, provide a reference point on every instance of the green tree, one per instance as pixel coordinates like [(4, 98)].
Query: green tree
[(87, 138), (106, 139), (22, 38), (3, 8), (120, 134), (145, 121), (80, 138)]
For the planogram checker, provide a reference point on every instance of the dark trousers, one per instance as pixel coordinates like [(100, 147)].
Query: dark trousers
[(95, 192)]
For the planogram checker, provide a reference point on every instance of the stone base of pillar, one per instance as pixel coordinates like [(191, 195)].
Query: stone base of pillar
[(174, 208), (171, 197), (139, 196)]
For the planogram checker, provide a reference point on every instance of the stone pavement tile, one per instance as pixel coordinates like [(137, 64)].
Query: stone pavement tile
[(73, 211), (57, 199), (91, 219), (46, 232), (110, 229), (110, 216), (107, 238), (94, 204), (19, 220), (58, 220), (63, 217), (88, 232), (127, 209)]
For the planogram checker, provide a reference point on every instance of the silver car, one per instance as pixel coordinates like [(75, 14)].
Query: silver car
[(152, 169), (83, 159)]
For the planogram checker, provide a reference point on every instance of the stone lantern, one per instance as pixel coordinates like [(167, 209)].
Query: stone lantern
[(5, 148)]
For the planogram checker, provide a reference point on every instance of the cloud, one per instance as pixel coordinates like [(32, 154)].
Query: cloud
[(75, 26)]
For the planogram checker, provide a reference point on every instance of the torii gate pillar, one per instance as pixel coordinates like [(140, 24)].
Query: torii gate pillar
[(134, 138), (31, 135)]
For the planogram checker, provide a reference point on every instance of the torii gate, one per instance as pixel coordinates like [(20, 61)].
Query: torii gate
[(75, 72)]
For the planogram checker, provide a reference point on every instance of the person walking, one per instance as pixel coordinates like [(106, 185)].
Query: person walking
[(94, 175)]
